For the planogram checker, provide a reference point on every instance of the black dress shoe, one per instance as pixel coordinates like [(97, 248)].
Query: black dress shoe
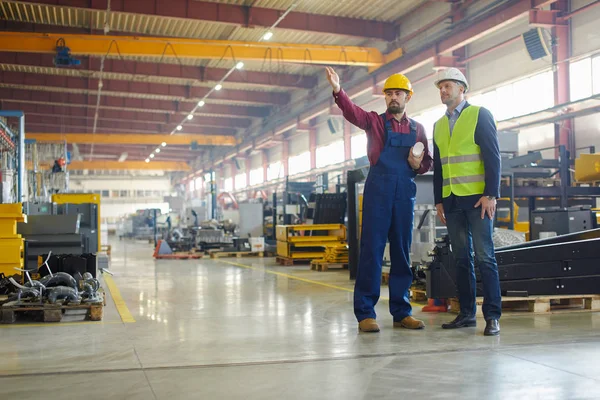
[(492, 327), (461, 321)]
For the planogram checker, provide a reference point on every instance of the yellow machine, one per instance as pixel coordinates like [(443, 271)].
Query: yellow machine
[(80, 198), (12, 246), (587, 168), (518, 226), (293, 241)]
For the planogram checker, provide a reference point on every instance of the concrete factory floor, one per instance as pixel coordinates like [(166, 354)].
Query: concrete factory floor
[(208, 329)]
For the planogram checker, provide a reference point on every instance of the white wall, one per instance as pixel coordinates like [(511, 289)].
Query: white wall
[(275, 154), (120, 210), (77, 183), (585, 32), (298, 144), (256, 161)]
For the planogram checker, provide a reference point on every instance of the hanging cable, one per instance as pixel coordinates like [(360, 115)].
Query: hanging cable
[(100, 84)]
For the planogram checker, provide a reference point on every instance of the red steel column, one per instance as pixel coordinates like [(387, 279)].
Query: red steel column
[(563, 132)]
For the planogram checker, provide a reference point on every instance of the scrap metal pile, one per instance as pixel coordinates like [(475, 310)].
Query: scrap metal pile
[(56, 287)]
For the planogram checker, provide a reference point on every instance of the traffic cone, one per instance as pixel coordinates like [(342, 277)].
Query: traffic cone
[(436, 305)]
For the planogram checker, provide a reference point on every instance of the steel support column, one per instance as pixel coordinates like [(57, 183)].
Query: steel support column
[(563, 132)]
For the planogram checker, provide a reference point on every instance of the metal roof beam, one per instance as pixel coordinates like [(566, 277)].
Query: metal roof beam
[(23, 95), (43, 126), (130, 165), (238, 15), (136, 70), (120, 125), (71, 113), (131, 139), (188, 94)]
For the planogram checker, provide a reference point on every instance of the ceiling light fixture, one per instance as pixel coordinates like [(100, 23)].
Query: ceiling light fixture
[(218, 87), (201, 103), (179, 127), (163, 144), (190, 116), (268, 35), (152, 155), (157, 150), (239, 65), (147, 160)]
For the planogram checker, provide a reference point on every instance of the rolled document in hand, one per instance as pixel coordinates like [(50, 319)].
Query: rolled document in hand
[(418, 149)]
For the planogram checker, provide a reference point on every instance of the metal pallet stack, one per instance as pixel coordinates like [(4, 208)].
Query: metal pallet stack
[(12, 245), (308, 242)]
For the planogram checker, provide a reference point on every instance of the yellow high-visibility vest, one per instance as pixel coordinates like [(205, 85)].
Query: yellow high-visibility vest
[(462, 164)]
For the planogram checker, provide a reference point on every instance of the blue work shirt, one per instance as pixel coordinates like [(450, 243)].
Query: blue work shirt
[(487, 139)]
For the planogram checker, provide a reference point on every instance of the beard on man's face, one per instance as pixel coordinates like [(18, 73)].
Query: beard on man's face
[(394, 108)]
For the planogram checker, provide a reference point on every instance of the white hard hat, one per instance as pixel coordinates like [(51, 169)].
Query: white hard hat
[(451, 74)]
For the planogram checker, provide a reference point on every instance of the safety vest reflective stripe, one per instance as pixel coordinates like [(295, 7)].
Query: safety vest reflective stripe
[(461, 159), (461, 180)]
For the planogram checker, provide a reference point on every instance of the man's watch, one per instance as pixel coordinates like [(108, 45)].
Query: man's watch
[(491, 197)]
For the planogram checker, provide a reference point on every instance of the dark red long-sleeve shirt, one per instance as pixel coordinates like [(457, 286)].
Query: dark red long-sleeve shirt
[(374, 126)]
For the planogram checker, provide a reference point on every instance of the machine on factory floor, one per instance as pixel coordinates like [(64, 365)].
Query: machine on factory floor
[(568, 264)]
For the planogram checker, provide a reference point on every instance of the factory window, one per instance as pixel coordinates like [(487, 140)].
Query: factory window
[(240, 181), (522, 97), (300, 163), (581, 79), (139, 193), (228, 185), (198, 183), (331, 154), (428, 119), (256, 176), (147, 193), (596, 74), (358, 145), (105, 193), (124, 193), (275, 171), (207, 177)]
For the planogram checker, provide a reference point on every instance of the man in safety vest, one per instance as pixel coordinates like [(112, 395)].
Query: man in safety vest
[(389, 199), (466, 186)]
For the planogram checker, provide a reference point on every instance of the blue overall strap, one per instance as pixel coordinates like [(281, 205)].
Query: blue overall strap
[(387, 125)]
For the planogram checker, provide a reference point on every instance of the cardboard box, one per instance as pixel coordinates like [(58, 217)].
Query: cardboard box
[(257, 244)]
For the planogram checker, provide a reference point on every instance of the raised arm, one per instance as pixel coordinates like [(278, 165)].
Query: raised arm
[(353, 113)]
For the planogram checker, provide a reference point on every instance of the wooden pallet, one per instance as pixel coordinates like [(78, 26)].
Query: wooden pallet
[(418, 295), (48, 312), (179, 256), (237, 254), (318, 265), (540, 304), (287, 262)]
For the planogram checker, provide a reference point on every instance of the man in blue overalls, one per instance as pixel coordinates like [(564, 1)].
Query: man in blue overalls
[(389, 199)]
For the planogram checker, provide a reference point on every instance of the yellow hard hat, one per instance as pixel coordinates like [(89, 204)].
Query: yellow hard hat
[(398, 81)]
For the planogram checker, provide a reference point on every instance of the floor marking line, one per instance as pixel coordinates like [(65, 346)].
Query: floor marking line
[(73, 323), (269, 271), (115, 293)]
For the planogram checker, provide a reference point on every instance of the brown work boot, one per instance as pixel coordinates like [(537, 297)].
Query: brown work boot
[(409, 323), (368, 325)]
